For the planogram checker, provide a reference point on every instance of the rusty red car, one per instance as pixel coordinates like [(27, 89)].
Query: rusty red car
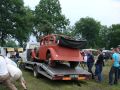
[(59, 48)]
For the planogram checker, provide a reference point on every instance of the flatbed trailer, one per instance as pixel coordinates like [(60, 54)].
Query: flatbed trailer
[(59, 72)]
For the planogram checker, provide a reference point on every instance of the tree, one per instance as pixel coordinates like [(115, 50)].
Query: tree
[(114, 35), (6, 11), (103, 37), (10, 43), (14, 21), (88, 28), (24, 26), (48, 18), (69, 31)]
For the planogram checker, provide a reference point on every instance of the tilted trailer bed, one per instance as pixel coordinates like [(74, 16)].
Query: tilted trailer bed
[(60, 72)]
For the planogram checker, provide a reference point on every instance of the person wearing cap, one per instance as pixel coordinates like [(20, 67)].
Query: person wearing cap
[(115, 67), (4, 75)]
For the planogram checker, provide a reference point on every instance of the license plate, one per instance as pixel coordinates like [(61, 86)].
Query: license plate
[(73, 76)]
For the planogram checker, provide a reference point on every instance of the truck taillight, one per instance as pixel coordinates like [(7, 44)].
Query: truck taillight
[(66, 78), (81, 78)]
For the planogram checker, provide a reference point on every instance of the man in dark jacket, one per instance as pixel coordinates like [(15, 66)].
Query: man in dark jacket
[(90, 62), (99, 65)]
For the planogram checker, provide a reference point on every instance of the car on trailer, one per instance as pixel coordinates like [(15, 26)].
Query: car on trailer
[(59, 48), (64, 52)]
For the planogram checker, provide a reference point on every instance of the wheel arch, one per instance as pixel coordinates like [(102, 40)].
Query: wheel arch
[(52, 53)]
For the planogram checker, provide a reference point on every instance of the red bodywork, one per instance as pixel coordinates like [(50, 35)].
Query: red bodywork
[(49, 44)]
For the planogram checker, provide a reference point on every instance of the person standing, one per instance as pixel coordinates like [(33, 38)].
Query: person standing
[(34, 54), (16, 75), (115, 67), (119, 73), (17, 57), (4, 75), (99, 65), (85, 58), (119, 63), (90, 62)]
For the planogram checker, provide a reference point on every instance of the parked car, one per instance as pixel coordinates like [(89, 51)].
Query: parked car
[(107, 54)]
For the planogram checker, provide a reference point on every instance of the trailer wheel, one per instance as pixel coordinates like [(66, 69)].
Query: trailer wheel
[(73, 64), (35, 71)]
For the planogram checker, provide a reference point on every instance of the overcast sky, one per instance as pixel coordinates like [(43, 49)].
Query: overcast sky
[(105, 11)]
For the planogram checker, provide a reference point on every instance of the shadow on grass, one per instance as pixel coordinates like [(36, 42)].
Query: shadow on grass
[(61, 83), (2, 87)]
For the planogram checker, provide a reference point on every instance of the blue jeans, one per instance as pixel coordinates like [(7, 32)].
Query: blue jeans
[(98, 71), (90, 65), (113, 70), (119, 73)]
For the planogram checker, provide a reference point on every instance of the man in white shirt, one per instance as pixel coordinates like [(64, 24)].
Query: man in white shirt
[(15, 72), (4, 76)]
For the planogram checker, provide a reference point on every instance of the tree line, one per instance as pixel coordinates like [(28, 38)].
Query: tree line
[(18, 22)]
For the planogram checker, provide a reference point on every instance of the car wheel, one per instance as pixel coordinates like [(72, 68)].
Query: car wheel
[(35, 72), (73, 64), (49, 61), (48, 58)]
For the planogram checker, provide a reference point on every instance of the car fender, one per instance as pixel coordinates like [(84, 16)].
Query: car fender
[(53, 53)]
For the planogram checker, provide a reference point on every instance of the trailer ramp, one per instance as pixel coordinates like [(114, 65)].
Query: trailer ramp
[(63, 71)]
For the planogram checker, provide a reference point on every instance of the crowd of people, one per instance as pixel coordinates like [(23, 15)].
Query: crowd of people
[(89, 61), (10, 73)]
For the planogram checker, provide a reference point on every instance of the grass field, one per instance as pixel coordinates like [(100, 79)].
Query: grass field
[(42, 83)]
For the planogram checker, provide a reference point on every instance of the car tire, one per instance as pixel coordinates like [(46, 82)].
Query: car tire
[(49, 61), (35, 71)]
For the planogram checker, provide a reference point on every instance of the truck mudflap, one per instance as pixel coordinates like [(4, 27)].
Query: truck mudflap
[(64, 72)]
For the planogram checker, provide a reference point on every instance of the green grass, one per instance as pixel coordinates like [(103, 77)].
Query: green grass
[(42, 83)]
